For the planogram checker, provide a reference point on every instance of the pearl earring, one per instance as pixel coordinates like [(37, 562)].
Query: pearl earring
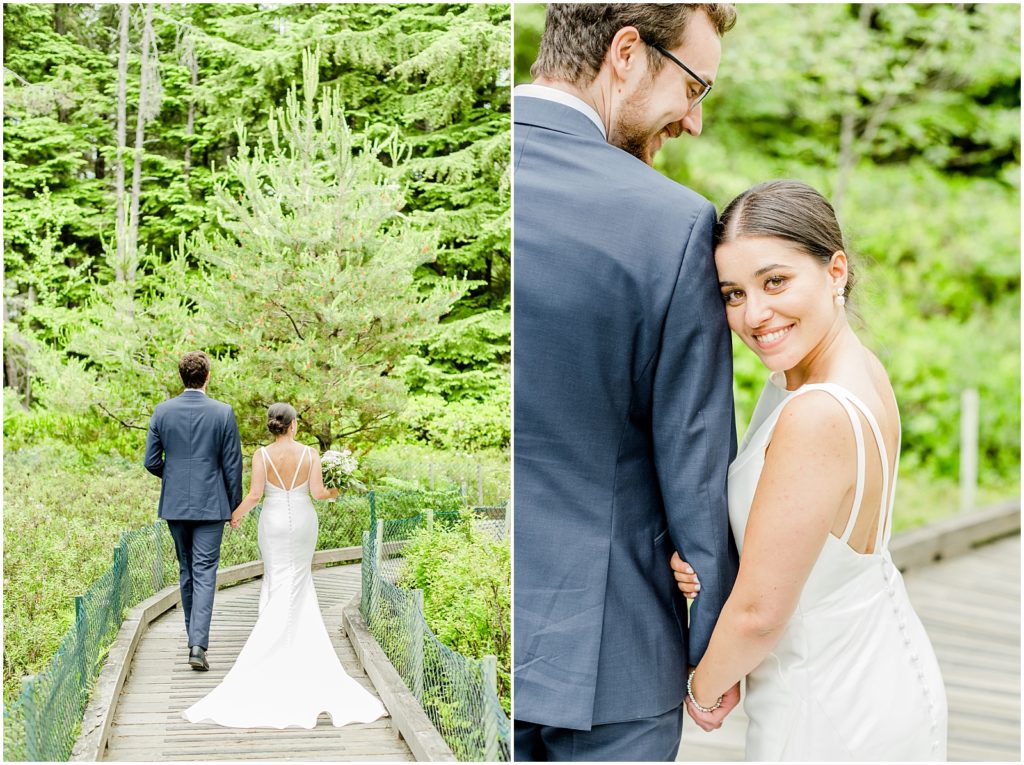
[(840, 299)]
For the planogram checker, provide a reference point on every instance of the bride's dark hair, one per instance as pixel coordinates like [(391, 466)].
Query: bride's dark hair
[(280, 417), (789, 210)]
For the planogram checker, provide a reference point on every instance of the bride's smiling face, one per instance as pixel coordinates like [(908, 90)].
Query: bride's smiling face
[(778, 299)]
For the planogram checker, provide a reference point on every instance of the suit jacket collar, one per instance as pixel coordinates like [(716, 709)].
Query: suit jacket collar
[(554, 116)]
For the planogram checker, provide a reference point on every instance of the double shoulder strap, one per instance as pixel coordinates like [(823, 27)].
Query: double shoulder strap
[(849, 402), (302, 457)]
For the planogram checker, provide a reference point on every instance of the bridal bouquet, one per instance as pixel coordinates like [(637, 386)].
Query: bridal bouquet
[(338, 469)]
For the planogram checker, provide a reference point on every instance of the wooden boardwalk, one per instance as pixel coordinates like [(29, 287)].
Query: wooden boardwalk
[(970, 606), (147, 724)]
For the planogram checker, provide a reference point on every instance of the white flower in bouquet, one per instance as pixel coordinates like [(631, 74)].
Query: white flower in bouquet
[(338, 470)]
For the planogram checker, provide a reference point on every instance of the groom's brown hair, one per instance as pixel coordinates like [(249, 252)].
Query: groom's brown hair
[(194, 368), (577, 35)]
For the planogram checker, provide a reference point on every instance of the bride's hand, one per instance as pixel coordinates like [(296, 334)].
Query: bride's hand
[(686, 579), (236, 520), (709, 721)]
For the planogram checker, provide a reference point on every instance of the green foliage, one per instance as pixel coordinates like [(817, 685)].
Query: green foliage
[(63, 517), (424, 86), (404, 466), (317, 209), (465, 576)]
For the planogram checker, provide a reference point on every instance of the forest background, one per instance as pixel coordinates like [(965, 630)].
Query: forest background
[(318, 195), (907, 117)]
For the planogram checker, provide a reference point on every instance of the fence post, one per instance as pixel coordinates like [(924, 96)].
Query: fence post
[(508, 521), (969, 405), (489, 673), (479, 484), (416, 641), (378, 545), (82, 630), (430, 473), (368, 573), (32, 748), (158, 562), (430, 519), (120, 569)]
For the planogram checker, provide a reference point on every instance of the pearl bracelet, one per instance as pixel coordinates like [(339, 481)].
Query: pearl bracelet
[(689, 693)]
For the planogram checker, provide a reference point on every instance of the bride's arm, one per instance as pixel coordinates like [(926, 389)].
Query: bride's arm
[(316, 480), (809, 471), (259, 479)]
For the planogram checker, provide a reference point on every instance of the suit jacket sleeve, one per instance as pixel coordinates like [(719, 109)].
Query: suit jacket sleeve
[(154, 460), (693, 425), (231, 460)]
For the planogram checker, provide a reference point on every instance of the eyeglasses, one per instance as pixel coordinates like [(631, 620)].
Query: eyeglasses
[(704, 84)]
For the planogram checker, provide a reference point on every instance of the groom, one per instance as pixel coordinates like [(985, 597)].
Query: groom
[(623, 384), (194, 447)]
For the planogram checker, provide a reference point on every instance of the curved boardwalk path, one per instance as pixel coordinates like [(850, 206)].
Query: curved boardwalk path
[(148, 726), (970, 606)]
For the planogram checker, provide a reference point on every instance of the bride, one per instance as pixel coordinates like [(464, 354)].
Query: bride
[(287, 673), (838, 665)]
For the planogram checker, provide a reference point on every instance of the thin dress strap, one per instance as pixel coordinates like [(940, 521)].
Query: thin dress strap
[(895, 473), (266, 456), (297, 468), (887, 501), (840, 395), (885, 505)]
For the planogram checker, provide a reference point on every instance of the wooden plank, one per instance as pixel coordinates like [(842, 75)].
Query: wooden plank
[(147, 724), (423, 739)]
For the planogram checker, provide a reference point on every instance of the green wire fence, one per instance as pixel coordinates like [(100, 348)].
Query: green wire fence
[(458, 693), (42, 724)]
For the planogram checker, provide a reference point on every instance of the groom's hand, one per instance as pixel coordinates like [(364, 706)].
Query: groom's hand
[(709, 721)]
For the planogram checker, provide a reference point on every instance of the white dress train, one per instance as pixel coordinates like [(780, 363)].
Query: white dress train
[(287, 673), (854, 676)]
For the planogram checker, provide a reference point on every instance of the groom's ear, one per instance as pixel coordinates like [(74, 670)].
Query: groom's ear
[(625, 54)]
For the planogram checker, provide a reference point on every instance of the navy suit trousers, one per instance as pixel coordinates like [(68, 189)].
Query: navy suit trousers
[(649, 739), (197, 544)]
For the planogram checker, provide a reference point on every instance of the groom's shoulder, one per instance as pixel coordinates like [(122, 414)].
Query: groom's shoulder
[(664, 192), (220, 405)]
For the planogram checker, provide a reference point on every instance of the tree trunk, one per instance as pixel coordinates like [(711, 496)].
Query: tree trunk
[(59, 9), (145, 73), (122, 139), (848, 149), (58, 18), (193, 62)]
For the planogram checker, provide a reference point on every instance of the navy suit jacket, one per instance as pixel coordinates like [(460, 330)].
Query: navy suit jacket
[(624, 426), (194, 446)]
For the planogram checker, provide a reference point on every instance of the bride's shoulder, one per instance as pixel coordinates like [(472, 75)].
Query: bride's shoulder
[(812, 416)]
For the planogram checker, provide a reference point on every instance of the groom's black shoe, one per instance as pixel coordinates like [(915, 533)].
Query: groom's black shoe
[(197, 659)]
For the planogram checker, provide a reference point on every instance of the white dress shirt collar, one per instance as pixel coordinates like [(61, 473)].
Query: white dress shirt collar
[(566, 99)]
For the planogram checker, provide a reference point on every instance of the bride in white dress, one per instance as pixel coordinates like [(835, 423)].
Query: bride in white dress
[(838, 665), (287, 673)]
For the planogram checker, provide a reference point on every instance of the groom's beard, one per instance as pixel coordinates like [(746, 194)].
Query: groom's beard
[(632, 133)]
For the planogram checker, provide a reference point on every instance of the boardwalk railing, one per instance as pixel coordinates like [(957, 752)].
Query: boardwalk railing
[(458, 693), (42, 724)]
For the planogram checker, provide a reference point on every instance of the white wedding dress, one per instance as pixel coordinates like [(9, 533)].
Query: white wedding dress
[(287, 673), (854, 676)]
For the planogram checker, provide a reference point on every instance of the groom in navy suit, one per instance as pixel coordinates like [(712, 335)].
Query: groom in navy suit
[(624, 424), (193, 446)]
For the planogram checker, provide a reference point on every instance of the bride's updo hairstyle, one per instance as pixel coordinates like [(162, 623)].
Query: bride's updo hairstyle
[(280, 417), (788, 210)]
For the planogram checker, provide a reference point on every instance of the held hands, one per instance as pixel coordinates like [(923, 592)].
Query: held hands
[(686, 578), (709, 721), (236, 519)]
